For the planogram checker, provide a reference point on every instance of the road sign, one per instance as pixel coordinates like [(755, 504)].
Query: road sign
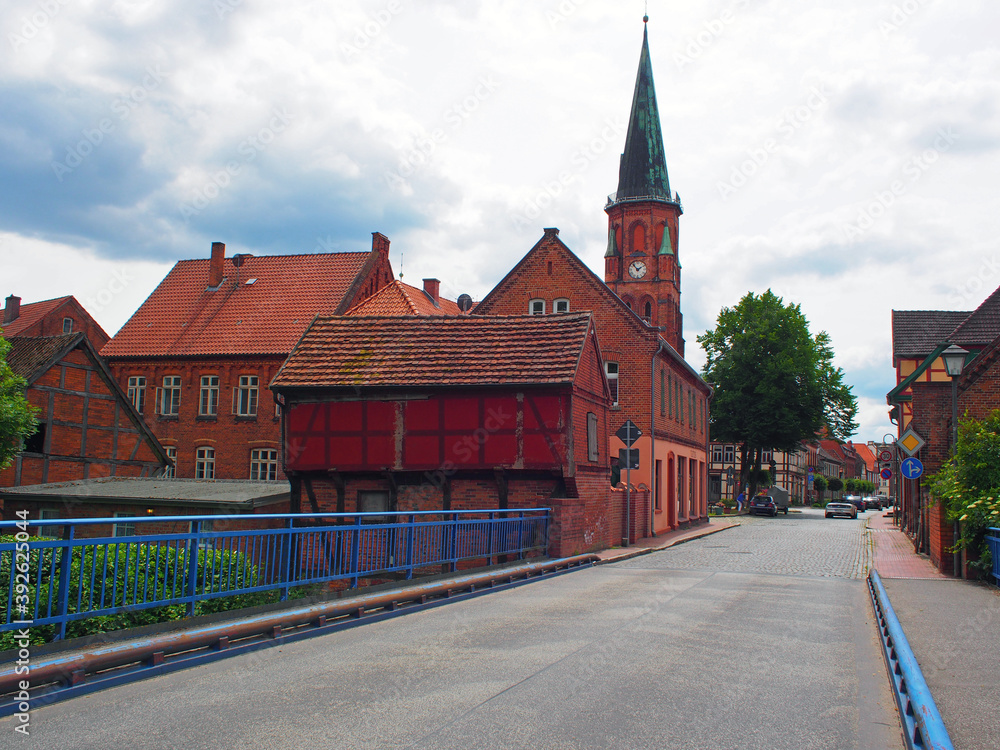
[(885, 455), (911, 468), (628, 433), (886, 474), (910, 441), (628, 458)]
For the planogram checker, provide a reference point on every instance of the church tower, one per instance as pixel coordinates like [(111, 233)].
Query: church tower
[(642, 264)]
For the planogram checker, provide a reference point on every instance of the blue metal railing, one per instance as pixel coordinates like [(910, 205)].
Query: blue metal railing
[(993, 542), (60, 580)]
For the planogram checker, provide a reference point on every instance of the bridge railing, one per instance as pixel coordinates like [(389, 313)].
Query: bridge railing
[(993, 541), (70, 576)]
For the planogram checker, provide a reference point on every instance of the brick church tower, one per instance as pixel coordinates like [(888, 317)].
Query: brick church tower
[(642, 264)]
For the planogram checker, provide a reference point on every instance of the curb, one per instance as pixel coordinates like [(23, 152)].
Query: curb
[(671, 543)]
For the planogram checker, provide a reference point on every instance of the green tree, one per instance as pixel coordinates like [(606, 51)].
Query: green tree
[(819, 484), (851, 484), (17, 419), (775, 384), (836, 484), (968, 487)]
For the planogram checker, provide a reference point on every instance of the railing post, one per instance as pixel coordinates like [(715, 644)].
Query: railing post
[(411, 531), (286, 561), (453, 547), (192, 576), (65, 568), (356, 553), (490, 538), (520, 535)]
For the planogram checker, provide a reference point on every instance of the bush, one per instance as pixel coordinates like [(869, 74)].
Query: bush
[(226, 570)]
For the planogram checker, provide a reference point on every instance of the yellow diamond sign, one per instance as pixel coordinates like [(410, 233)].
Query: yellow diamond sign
[(910, 442)]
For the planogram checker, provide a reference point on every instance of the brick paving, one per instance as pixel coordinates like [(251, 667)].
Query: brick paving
[(894, 556)]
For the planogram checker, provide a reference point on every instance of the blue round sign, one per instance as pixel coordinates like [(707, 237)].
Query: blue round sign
[(886, 473), (911, 468)]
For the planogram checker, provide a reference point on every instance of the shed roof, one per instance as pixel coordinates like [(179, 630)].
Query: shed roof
[(437, 351)]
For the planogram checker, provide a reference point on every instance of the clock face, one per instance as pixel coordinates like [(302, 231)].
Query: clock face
[(637, 269)]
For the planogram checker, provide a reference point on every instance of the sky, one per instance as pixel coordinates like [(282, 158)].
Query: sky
[(842, 153)]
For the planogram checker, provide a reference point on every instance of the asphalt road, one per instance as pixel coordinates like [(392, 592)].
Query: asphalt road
[(760, 636)]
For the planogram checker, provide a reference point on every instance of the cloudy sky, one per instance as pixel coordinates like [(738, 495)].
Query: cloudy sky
[(843, 153)]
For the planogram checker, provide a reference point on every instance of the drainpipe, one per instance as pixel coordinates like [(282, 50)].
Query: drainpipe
[(652, 443)]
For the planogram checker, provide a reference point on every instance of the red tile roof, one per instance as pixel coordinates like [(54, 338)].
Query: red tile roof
[(264, 316), (866, 455), (30, 314), (429, 351), (402, 299), (29, 355)]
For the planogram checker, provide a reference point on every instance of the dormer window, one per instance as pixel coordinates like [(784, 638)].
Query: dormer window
[(536, 307), (560, 305)]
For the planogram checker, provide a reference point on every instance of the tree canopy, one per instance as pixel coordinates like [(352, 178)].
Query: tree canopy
[(17, 420), (775, 383)]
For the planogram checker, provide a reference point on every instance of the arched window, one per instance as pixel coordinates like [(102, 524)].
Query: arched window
[(647, 310), (536, 307)]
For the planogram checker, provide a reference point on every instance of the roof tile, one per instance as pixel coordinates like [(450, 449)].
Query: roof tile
[(403, 299)]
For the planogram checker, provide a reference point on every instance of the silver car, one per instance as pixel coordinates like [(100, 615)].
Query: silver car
[(841, 509)]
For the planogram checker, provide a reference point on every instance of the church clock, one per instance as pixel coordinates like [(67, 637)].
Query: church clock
[(637, 269)]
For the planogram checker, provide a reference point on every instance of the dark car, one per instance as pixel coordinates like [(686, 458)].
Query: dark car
[(856, 500), (873, 503), (763, 505)]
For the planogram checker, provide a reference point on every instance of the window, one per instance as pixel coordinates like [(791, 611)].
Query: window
[(171, 471), (204, 464), (263, 464), (123, 529), (561, 306), (611, 368), (67, 325), (670, 395), (536, 307), (730, 454), (593, 448), (246, 396), (647, 310), (717, 454), (170, 396), (137, 392), (209, 404), (663, 393), (766, 455), (36, 443), (49, 531)]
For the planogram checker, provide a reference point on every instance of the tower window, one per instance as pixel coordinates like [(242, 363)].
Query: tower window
[(560, 306), (647, 310), (536, 307)]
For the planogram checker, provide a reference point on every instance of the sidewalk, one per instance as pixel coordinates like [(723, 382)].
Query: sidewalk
[(953, 627), (654, 543)]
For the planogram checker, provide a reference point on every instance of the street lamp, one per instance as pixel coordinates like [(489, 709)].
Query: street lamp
[(954, 361)]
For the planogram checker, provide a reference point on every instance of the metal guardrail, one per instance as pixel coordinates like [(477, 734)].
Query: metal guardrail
[(993, 542), (59, 580), (922, 724)]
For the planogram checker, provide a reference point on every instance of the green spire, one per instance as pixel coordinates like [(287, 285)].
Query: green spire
[(612, 244), (643, 168), (666, 247)]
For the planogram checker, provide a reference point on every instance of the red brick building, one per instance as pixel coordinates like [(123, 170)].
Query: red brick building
[(637, 312), (87, 426), (453, 413), (922, 401), (53, 317), (198, 354)]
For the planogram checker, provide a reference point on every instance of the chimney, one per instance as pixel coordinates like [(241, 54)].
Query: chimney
[(216, 265), (380, 244), (12, 309), (432, 288)]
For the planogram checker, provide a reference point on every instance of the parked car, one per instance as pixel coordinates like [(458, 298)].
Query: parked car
[(841, 509), (766, 505), (886, 501), (873, 503)]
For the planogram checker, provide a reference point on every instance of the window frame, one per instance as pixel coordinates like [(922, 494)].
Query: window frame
[(209, 389), (204, 462), (170, 472), (560, 301), (593, 441), (613, 377), (67, 324), (173, 388), (257, 461), (128, 528), (730, 454), (717, 454), (251, 390), (533, 303), (137, 392)]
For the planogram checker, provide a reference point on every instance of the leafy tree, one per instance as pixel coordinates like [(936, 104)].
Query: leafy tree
[(836, 484), (851, 484), (17, 420), (775, 383), (819, 484), (968, 486)]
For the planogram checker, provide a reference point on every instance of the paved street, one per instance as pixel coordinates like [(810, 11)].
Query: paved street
[(758, 636)]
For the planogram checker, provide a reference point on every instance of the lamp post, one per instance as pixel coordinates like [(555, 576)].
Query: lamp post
[(954, 362)]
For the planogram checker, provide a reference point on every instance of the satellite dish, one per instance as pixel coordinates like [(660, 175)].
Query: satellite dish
[(464, 303), (240, 258)]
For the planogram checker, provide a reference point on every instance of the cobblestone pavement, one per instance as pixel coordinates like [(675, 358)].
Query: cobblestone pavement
[(799, 544)]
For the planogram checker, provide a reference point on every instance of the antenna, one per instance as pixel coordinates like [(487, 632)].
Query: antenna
[(400, 264)]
